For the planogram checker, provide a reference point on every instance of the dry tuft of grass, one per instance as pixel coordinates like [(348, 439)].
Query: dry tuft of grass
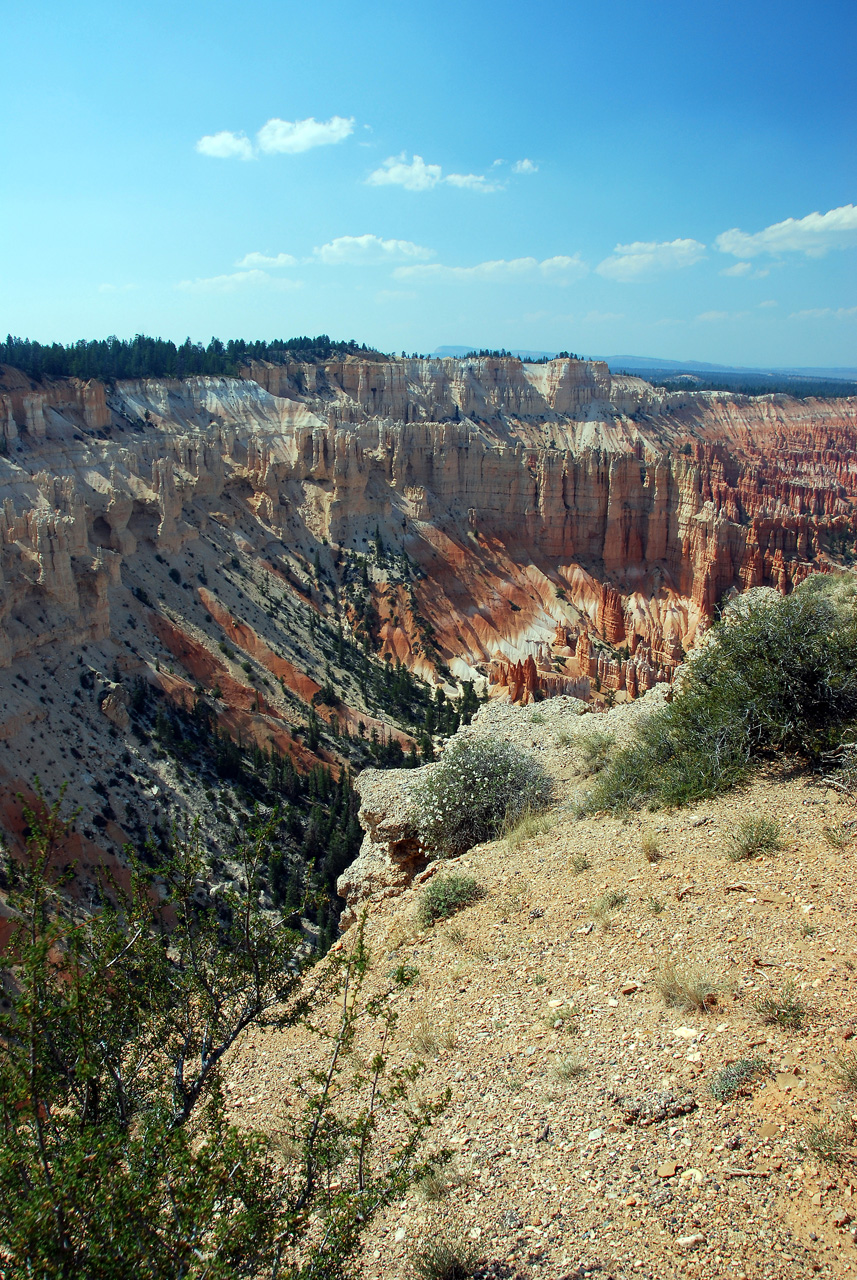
[(688, 987), (784, 1009), (845, 1068), (529, 826), (570, 1068), (580, 862), (753, 836), (430, 1038), (604, 908), (650, 846), (834, 1144), (444, 1258), (839, 834), (437, 1184)]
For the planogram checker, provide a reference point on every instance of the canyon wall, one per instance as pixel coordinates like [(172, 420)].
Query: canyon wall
[(564, 526)]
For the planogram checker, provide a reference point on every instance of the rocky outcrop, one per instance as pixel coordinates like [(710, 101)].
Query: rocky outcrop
[(391, 855)]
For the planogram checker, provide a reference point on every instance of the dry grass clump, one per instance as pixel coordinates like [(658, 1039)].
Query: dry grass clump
[(845, 1068), (688, 987), (839, 834), (783, 1009), (437, 1183), (430, 1038), (529, 826), (604, 908), (444, 1258), (754, 835), (834, 1144), (580, 862), (570, 1068), (650, 846)]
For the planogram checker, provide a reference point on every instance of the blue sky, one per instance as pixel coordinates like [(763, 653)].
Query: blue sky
[(667, 179)]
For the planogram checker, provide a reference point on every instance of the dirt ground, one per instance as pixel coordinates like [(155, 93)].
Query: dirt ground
[(586, 1138)]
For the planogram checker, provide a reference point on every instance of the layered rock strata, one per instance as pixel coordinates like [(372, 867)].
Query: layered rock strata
[(566, 526)]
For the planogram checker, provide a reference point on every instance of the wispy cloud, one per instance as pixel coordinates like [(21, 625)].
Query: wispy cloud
[(235, 280), (643, 258), (262, 260), (560, 269), (277, 137), (813, 235), (369, 250), (226, 146), (825, 313), (416, 175), (738, 269), (524, 166)]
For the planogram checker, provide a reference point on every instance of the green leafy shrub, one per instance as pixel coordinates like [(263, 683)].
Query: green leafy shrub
[(118, 1157), (752, 836), (478, 787), (592, 750), (445, 895), (775, 676)]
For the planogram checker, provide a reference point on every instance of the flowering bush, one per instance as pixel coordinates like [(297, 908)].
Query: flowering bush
[(477, 788)]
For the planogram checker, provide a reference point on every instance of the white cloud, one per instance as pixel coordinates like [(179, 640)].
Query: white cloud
[(643, 258), (226, 146), (714, 315), (236, 280), (502, 270), (812, 235), (368, 250), (293, 136), (416, 175), (472, 181), (825, 313), (290, 136), (524, 166), (769, 302), (262, 260), (396, 171)]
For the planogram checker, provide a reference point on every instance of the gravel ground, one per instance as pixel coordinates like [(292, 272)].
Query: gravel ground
[(585, 1135)]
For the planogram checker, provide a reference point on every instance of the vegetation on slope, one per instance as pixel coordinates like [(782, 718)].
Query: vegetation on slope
[(117, 1156), (773, 677)]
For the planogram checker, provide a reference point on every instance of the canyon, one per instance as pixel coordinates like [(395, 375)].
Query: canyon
[(537, 530)]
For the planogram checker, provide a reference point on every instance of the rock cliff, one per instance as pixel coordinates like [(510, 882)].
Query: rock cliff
[(564, 525)]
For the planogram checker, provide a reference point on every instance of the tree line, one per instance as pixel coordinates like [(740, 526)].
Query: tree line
[(145, 357)]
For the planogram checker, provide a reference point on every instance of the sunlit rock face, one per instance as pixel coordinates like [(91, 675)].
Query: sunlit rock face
[(567, 530)]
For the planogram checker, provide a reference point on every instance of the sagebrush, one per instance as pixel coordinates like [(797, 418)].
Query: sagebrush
[(479, 787), (774, 676)]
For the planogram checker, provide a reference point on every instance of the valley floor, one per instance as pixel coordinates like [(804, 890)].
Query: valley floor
[(548, 1026)]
